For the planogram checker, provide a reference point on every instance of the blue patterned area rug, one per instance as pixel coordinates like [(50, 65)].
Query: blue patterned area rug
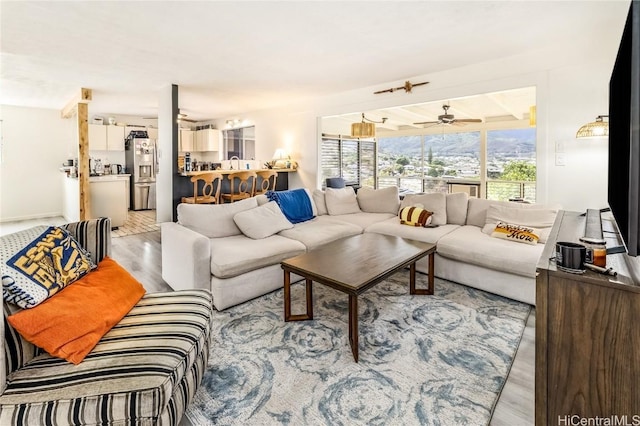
[(424, 360)]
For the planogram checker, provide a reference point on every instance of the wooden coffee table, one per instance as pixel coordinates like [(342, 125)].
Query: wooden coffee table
[(353, 265)]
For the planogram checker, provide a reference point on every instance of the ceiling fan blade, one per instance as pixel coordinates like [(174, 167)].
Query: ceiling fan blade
[(188, 120), (428, 122), (469, 120)]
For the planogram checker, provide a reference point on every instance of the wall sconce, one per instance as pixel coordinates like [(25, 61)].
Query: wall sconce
[(595, 129), (364, 129)]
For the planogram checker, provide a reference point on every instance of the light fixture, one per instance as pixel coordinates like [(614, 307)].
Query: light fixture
[(280, 159), (532, 116), (598, 128), (234, 123), (366, 128)]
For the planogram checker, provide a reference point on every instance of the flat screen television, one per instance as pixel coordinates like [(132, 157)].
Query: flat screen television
[(624, 134)]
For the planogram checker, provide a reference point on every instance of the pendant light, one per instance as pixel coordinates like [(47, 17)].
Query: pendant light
[(598, 128), (366, 128)]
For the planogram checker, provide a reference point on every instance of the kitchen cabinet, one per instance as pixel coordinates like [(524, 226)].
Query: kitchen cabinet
[(71, 198), (125, 178), (97, 137), (109, 199), (115, 138), (208, 140), (106, 138), (187, 140)]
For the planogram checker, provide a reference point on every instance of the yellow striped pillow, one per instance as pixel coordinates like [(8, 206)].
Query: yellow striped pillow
[(415, 216), (518, 233)]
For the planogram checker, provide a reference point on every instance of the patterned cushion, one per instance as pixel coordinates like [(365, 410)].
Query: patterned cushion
[(517, 233), (155, 355), (415, 216), (43, 267)]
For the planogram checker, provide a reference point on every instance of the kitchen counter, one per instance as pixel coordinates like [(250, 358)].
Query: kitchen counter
[(98, 178), (104, 178), (226, 172)]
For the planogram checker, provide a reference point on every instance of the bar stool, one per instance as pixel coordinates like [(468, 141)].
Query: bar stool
[(266, 184), (242, 185), (210, 193)]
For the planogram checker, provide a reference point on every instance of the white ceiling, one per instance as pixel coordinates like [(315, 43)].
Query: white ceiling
[(234, 57), (508, 105)]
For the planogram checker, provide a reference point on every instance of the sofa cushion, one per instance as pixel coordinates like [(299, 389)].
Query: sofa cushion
[(130, 375), (415, 216), (539, 218), (341, 201), (69, 324), (393, 227), (363, 219), (435, 202), (42, 267), (457, 204), (237, 254), (318, 199), (321, 230), (478, 207), (213, 220), (383, 200), (469, 244), (516, 233), (262, 221)]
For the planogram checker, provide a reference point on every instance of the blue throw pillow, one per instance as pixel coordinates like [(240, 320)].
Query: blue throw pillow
[(294, 203), (43, 267)]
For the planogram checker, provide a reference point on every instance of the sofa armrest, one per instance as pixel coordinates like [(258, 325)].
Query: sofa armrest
[(186, 257), (94, 235)]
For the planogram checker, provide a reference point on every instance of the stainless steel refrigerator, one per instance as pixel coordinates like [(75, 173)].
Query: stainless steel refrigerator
[(141, 163)]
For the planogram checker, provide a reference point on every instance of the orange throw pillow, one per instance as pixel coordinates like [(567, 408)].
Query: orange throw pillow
[(71, 323)]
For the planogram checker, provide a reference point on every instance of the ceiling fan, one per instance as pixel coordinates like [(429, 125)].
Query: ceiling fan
[(450, 119), (181, 117)]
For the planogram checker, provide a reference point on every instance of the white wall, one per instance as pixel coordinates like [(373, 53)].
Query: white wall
[(571, 82), (35, 143)]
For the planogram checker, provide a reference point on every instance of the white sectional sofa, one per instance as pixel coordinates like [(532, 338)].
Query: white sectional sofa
[(206, 248)]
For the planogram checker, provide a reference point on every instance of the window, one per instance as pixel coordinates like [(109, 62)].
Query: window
[(240, 142), (352, 159), (428, 163), (511, 164)]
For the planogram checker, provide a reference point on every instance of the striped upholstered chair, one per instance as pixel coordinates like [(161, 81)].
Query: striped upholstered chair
[(144, 371)]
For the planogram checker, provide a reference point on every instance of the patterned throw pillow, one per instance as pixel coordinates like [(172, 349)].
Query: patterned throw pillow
[(415, 216), (43, 267), (518, 233)]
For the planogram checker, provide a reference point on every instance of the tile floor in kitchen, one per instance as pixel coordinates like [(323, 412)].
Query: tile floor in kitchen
[(137, 223)]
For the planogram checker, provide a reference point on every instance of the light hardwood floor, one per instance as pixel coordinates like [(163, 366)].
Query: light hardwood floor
[(140, 255)]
